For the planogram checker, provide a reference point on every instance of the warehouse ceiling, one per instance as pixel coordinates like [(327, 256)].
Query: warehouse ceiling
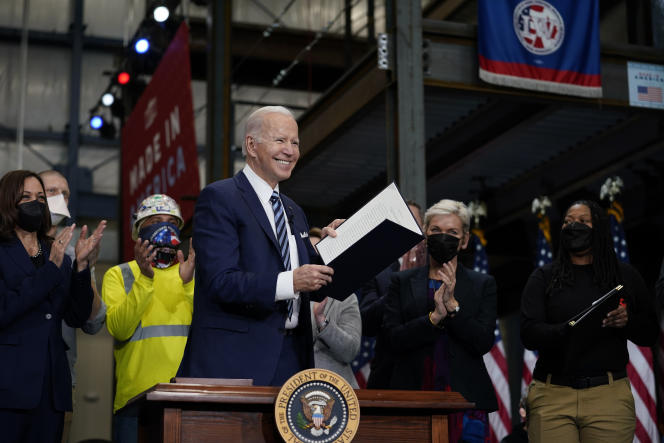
[(503, 146)]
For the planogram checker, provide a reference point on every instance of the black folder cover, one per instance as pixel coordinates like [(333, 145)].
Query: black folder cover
[(367, 257)]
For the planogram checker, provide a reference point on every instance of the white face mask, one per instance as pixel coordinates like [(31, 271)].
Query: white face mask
[(58, 208)]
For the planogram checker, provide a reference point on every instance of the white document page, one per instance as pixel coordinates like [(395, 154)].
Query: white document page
[(387, 205)]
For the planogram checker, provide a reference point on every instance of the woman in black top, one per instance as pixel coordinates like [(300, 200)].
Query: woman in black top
[(440, 321), (580, 390), (38, 289)]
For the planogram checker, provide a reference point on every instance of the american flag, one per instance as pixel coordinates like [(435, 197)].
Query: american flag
[(640, 366), (649, 94), (362, 363), (495, 361)]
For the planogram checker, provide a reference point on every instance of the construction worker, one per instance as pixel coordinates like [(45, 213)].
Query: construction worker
[(149, 306)]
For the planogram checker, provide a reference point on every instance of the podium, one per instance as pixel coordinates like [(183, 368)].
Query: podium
[(183, 413)]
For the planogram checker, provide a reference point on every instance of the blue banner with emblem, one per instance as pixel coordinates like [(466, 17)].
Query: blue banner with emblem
[(551, 46)]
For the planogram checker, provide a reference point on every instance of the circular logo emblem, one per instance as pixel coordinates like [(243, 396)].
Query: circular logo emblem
[(539, 26), (317, 406)]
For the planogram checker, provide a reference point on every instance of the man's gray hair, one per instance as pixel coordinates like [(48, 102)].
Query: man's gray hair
[(254, 124), (50, 172), (445, 207)]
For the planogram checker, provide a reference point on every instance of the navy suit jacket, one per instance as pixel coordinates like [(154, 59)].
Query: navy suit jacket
[(33, 303), (470, 333), (236, 321)]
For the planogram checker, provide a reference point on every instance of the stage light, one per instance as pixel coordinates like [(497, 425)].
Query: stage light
[(107, 99), (160, 14), (142, 45), (96, 122), (123, 78)]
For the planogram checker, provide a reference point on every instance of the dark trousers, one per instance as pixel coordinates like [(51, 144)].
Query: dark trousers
[(290, 361), (125, 425), (40, 425)]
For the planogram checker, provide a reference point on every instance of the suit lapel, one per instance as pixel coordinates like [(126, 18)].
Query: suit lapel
[(302, 251), (418, 287), (17, 253), (462, 284), (255, 206)]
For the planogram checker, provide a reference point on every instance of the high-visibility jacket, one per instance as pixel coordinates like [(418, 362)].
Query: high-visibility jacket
[(149, 319)]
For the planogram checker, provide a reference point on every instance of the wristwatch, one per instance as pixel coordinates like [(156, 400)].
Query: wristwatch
[(325, 323)]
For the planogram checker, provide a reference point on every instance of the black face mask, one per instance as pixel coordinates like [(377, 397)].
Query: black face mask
[(576, 237), (31, 215), (442, 247)]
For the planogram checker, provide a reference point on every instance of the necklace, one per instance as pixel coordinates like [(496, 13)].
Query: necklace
[(39, 251)]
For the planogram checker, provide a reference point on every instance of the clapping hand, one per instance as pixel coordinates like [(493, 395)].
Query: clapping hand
[(60, 244), (319, 312), (188, 266), (144, 254), (448, 275), (87, 247)]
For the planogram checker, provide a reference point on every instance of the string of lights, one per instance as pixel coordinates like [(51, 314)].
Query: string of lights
[(142, 54), (284, 72), (267, 32)]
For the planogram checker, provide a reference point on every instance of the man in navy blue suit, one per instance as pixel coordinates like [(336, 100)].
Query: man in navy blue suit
[(253, 273)]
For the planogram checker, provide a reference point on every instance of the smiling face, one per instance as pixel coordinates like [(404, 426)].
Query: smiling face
[(273, 153), (32, 190)]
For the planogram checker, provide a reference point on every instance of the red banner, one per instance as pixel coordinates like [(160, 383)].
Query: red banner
[(158, 140)]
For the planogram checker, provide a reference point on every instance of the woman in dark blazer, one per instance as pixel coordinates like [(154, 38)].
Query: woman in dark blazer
[(441, 320), (38, 288)]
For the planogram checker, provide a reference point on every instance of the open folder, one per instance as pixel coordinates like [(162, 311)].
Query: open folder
[(376, 235)]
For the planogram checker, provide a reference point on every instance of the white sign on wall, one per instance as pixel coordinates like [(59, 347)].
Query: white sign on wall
[(646, 85)]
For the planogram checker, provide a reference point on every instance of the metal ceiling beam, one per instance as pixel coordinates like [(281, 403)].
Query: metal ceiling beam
[(38, 136), (512, 133), (476, 130), (261, 62), (443, 9), (61, 39), (580, 166), (347, 97)]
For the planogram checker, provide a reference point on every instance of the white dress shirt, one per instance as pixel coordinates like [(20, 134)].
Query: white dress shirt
[(284, 289)]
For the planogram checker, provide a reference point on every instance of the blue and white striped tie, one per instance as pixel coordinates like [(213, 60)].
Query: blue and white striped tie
[(282, 237)]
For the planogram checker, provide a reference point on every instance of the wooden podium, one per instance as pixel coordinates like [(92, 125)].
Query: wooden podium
[(174, 412)]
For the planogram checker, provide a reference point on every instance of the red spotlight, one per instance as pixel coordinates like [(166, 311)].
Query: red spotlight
[(123, 78)]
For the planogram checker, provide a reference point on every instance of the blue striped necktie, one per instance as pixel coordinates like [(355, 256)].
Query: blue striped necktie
[(282, 237)]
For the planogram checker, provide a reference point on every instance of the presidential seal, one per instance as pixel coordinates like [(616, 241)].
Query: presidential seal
[(317, 406), (539, 26)]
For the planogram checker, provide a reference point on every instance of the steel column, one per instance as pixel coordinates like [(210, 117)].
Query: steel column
[(219, 124), (75, 103), (410, 98)]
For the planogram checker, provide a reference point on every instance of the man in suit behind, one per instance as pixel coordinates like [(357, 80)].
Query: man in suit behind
[(253, 273)]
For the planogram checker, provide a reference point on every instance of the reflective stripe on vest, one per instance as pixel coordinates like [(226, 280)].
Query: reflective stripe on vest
[(156, 331), (127, 276), (142, 333)]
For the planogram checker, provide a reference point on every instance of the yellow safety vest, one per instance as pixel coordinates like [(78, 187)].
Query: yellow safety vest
[(149, 319)]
